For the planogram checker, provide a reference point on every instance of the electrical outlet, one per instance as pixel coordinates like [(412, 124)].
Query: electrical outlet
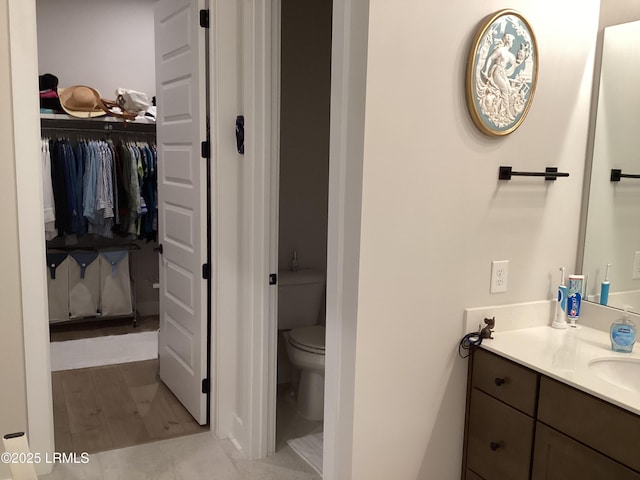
[(636, 266), (499, 274)]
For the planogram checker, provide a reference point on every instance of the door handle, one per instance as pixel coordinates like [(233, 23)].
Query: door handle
[(240, 134)]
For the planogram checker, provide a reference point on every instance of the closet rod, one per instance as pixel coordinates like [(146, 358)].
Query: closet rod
[(103, 127), (97, 131)]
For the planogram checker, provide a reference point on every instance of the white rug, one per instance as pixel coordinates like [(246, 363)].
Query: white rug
[(93, 352), (309, 448)]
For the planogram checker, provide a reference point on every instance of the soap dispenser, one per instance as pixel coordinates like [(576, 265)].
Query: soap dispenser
[(623, 333)]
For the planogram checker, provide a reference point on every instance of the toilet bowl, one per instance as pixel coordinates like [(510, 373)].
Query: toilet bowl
[(305, 349)]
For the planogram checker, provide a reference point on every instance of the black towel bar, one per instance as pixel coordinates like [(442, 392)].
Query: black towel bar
[(616, 175), (550, 173)]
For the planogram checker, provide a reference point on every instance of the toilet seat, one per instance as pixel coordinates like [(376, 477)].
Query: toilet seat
[(309, 339)]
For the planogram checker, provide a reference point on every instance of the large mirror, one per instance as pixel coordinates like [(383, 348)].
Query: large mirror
[(612, 234)]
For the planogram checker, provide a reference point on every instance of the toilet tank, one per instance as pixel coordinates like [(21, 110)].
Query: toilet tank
[(300, 297)]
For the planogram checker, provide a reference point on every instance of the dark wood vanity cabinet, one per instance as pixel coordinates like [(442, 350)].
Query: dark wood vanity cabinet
[(559, 457), (500, 418), (523, 425)]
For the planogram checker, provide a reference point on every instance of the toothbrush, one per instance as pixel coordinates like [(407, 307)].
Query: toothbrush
[(561, 306), (604, 288)]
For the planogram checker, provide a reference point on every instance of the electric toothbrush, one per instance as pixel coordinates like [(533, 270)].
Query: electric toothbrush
[(560, 320), (604, 288)]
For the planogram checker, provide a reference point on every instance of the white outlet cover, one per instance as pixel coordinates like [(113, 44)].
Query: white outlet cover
[(499, 276), (636, 266)]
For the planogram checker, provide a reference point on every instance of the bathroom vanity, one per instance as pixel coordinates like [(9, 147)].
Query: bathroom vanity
[(538, 409)]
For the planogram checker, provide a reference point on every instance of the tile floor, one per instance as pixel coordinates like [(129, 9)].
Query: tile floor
[(192, 457), (199, 456), (147, 438)]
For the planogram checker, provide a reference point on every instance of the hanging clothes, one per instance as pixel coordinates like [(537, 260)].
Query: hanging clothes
[(48, 205), (58, 175), (104, 192), (101, 188)]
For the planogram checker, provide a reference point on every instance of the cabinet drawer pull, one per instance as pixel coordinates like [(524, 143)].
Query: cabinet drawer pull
[(499, 381), (495, 446)]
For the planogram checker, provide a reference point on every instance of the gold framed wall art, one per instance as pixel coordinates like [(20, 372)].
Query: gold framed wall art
[(502, 72)]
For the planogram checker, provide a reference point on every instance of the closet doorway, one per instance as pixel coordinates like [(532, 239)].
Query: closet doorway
[(111, 406), (305, 91)]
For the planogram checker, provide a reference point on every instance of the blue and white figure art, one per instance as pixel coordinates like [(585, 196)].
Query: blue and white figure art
[(502, 73)]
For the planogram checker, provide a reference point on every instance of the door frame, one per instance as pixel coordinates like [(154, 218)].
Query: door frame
[(348, 94), (23, 57), (246, 235), (348, 98)]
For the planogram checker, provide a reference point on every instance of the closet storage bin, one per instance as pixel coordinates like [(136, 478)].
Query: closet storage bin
[(115, 283), (94, 284), (58, 286), (84, 284)]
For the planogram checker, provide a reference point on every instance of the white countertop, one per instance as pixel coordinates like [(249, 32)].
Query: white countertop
[(565, 355)]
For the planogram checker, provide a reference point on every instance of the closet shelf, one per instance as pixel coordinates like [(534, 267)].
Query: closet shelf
[(59, 122)]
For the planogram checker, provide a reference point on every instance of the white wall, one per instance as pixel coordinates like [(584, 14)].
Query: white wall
[(103, 44), (434, 216), (304, 134)]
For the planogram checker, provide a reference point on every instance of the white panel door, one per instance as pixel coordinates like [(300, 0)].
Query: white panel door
[(181, 126)]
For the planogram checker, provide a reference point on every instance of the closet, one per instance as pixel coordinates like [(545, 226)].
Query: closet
[(71, 48), (112, 268), (100, 208)]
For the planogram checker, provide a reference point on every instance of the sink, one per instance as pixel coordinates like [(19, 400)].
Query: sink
[(621, 372)]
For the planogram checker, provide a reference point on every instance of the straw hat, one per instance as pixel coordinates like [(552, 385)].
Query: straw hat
[(81, 101)]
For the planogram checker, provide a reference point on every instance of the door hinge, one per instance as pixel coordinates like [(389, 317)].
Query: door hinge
[(273, 278), (205, 149), (204, 18), (205, 385), (206, 271)]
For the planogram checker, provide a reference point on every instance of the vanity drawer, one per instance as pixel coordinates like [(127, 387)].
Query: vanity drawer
[(505, 380), (558, 456), (499, 439), (473, 476), (594, 422)]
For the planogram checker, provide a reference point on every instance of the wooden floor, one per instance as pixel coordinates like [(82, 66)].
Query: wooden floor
[(60, 332), (102, 408)]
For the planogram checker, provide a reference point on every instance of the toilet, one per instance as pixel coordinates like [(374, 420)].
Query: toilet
[(300, 298)]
